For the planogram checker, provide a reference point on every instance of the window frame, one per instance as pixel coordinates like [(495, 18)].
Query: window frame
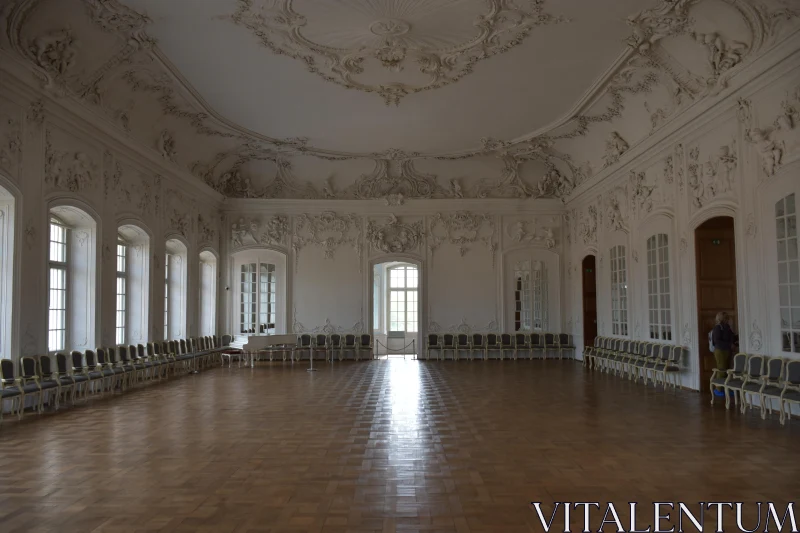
[(618, 269), (659, 287), (787, 265), (406, 290), (258, 299), (121, 330), (166, 295), (63, 267)]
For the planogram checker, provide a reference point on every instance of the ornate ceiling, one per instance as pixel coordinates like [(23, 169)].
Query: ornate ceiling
[(391, 99)]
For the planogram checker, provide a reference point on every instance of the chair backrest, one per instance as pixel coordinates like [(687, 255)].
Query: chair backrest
[(226, 340), (774, 371), (91, 359), (433, 339), (563, 339), (123, 353), (477, 340), (462, 339), (168, 347), (505, 339), (598, 342), (28, 367), (739, 363), (305, 339), (45, 366), (101, 356), (792, 372), (349, 340), (77, 359), (140, 350), (112, 356), (366, 340), (492, 339), (151, 350), (61, 363), (322, 340), (755, 366), (549, 339), (132, 353), (182, 344), (536, 339), (624, 346), (7, 370), (666, 352), (520, 339), (448, 339), (335, 340), (677, 354)]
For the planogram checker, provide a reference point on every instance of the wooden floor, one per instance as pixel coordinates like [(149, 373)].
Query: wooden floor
[(380, 446)]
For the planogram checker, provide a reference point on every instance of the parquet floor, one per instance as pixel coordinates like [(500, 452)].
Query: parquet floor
[(380, 446)]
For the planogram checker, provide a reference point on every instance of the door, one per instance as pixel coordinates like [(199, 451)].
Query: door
[(715, 253), (589, 300)]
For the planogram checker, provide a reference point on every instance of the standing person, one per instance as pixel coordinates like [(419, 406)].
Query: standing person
[(723, 339)]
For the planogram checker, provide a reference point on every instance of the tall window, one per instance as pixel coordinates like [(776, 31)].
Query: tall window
[(208, 293), (258, 293), (788, 273), (658, 287), (166, 296), (122, 290), (403, 293), (57, 287), (539, 290), (619, 291)]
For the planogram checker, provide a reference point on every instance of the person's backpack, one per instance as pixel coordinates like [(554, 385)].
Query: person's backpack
[(711, 340)]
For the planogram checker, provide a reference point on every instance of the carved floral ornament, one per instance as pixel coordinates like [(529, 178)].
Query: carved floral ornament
[(73, 171), (384, 47), (713, 177), (395, 236)]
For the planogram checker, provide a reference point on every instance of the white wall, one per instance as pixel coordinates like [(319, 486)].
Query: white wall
[(708, 146)]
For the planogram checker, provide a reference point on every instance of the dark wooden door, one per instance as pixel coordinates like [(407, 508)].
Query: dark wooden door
[(589, 300), (715, 253)]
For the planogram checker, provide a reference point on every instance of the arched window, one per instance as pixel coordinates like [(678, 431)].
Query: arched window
[(122, 290), (7, 205), (133, 285), (71, 281), (403, 293), (658, 287), (788, 272), (208, 293), (175, 274), (619, 291)]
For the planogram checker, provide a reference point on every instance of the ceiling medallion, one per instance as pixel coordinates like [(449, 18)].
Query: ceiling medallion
[(395, 47)]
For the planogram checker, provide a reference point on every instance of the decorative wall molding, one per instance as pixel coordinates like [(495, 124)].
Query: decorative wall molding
[(350, 56), (328, 231), (463, 327), (206, 232), (328, 328), (461, 229), (712, 178), (395, 236), (523, 231), (587, 225), (615, 147), (73, 171), (274, 231)]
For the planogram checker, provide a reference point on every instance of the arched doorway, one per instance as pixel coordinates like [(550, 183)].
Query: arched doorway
[(715, 256), (589, 276)]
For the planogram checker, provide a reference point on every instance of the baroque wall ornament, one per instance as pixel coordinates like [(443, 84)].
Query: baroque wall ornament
[(641, 192), (587, 225), (394, 174), (11, 147), (73, 171), (389, 41), (769, 151), (395, 236), (206, 231), (615, 147), (328, 231), (179, 222), (752, 227), (273, 232), (166, 146), (712, 178), (616, 211), (529, 232), (54, 52), (461, 229)]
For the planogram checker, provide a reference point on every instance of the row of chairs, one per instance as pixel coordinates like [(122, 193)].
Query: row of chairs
[(768, 378), (501, 343), (636, 359), (334, 344), (53, 379)]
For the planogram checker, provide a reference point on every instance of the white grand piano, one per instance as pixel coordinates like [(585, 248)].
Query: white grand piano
[(254, 346)]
